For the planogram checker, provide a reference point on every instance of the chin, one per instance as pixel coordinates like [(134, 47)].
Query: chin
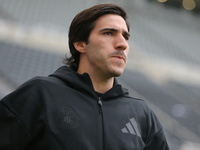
[(117, 73)]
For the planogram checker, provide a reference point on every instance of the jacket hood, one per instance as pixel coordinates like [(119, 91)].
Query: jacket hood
[(82, 82)]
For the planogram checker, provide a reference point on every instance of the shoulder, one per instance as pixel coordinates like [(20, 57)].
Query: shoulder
[(28, 102), (145, 116), (143, 110), (38, 83), (31, 90), (31, 95), (136, 102)]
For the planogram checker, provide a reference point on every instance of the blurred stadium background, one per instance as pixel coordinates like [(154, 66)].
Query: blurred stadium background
[(164, 59)]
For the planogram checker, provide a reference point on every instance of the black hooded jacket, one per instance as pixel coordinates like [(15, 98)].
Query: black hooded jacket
[(63, 112)]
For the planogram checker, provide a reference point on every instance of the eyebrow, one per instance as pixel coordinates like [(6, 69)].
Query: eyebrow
[(115, 30)]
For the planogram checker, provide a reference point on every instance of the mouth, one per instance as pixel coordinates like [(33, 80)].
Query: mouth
[(119, 57)]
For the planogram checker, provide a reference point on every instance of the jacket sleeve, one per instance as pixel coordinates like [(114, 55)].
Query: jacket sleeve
[(157, 142), (19, 113), (156, 139), (13, 134)]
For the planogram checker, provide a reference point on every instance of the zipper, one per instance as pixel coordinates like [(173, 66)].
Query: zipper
[(100, 104), (101, 124)]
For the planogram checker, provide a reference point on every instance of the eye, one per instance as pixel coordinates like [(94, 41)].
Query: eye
[(108, 33), (126, 37)]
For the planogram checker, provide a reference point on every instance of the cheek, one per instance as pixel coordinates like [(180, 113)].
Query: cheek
[(94, 53), (97, 49)]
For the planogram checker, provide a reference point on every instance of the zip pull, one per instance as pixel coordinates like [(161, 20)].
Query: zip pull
[(99, 101), (100, 104)]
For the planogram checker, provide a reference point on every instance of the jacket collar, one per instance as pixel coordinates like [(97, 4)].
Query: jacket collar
[(83, 83)]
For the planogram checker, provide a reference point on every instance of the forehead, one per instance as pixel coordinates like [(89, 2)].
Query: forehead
[(111, 21)]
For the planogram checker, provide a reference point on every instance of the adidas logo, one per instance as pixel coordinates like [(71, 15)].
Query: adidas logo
[(132, 128)]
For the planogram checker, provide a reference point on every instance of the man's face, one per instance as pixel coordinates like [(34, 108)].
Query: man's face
[(108, 47)]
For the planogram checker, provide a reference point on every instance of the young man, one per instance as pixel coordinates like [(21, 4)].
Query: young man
[(82, 107)]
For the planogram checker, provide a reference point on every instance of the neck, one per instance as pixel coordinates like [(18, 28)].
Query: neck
[(102, 86), (100, 83)]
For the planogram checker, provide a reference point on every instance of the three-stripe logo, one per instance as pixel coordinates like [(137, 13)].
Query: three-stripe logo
[(132, 128)]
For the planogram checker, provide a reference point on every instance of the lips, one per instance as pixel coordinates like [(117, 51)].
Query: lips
[(119, 57)]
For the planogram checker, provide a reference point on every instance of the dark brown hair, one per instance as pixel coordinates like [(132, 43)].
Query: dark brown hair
[(82, 25)]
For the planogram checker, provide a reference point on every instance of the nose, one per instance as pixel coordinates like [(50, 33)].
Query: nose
[(121, 43)]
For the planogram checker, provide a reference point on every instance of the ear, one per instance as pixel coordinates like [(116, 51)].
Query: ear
[(80, 46)]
